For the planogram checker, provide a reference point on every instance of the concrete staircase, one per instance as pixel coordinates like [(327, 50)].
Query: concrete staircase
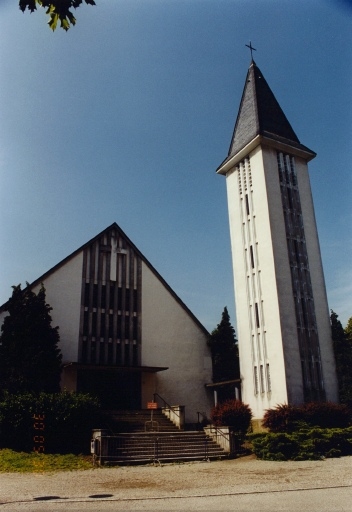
[(138, 421), (128, 440)]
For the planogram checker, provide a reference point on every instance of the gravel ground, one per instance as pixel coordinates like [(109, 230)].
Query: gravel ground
[(128, 484)]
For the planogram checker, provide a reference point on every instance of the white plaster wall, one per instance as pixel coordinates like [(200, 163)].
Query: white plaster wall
[(276, 286), (318, 282), (170, 337), (244, 332), (240, 279), (269, 297), (63, 294)]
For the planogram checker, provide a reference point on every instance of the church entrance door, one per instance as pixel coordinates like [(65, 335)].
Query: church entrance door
[(116, 389)]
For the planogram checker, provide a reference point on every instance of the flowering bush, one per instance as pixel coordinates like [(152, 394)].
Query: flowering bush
[(326, 414), (282, 418), (289, 418), (232, 413)]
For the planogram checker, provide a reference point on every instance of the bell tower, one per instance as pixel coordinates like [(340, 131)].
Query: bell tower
[(283, 324)]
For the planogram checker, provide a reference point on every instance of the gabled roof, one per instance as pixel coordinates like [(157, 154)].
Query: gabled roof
[(261, 114), (117, 228)]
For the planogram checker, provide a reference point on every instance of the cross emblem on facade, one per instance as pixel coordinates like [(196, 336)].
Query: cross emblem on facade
[(251, 48)]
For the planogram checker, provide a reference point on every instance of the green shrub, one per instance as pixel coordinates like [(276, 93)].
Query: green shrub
[(275, 446), (66, 425), (307, 444), (232, 413)]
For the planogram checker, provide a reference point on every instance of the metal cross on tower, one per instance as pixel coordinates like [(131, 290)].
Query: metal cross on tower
[(251, 48)]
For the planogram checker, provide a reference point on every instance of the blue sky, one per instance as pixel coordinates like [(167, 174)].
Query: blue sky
[(127, 115)]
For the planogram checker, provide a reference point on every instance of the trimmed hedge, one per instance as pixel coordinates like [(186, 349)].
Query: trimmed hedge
[(232, 413), (66, 426), (289, 418), (305, 444)]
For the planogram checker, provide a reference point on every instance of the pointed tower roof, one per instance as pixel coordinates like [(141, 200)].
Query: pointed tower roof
[(261, 115)]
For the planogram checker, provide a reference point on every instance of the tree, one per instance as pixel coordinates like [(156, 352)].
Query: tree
[(30, 360), (348, 330), (224, 350), (58, 10), (342, 343)]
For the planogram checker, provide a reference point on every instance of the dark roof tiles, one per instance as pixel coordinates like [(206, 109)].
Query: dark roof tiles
[(260, 114)]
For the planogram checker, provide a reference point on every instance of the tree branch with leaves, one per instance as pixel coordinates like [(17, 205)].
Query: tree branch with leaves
[(58, 10), (342, 343)]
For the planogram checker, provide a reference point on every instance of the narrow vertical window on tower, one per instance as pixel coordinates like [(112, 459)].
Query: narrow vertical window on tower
[(251, 255), (261, 378), (300, 278), (256, 386), (257, 320), (247, 204), (268, 379)]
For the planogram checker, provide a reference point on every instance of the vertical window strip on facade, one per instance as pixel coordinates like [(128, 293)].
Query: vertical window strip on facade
[(300, 278), (110, 309), (250, 254)]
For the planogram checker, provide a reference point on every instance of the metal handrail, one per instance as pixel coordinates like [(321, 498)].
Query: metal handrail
[(218, 431), (114, 447), (233, 437), (172, 407)]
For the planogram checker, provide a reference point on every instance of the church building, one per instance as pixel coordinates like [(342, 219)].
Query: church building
[(283, 324), (124, 333)]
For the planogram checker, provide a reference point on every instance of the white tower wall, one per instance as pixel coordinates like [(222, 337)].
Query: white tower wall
[(270, 356), (284, 333)]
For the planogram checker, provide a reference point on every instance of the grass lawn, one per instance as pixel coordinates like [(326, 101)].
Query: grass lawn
[(22, 462)]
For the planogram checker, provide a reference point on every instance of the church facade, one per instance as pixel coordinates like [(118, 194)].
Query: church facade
[(283, 324), (124, 333)]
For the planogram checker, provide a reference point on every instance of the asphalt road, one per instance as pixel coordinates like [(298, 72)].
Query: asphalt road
[(317, 500), (238, 485)]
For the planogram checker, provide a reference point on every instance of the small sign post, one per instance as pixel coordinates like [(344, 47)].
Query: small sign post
[(152, 406)]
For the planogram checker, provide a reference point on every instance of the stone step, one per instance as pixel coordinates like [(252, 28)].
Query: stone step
[(138, 421), (139, 448), (132, 444), (166, 442), (150, 460), (166, 453)]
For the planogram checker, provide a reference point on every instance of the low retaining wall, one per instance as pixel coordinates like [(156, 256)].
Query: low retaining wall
[(175, 413), (229, 440)]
